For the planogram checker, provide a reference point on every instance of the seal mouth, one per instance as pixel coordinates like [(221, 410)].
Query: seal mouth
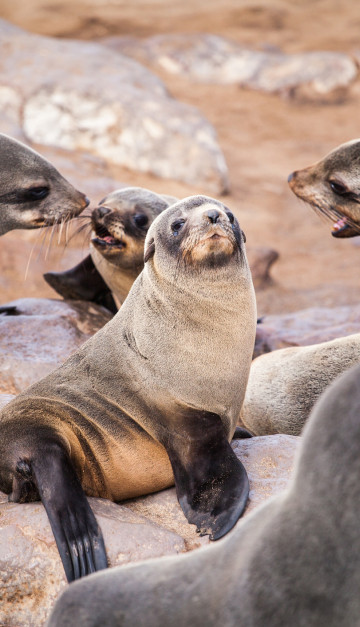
[(340, 227), (104, 239)]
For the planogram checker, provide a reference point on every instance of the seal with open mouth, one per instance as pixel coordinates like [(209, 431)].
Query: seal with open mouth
[(152, 398), (32, 192), (332, 187), (119, 227)]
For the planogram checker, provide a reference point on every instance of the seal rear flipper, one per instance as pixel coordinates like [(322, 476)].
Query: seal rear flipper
[(83, 282), (211, 483), (76, 531)]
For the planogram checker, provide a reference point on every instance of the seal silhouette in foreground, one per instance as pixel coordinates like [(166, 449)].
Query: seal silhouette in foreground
[(332, 187), (153, 397), (32, 192), (119, 226), (284, 385), (294, 561)]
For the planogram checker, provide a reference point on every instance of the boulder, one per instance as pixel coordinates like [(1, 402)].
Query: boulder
[(41, 335), (306, 327), (213, 59), (81, 95)]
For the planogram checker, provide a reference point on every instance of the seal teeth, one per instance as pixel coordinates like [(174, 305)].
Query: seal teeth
[(340, 224)]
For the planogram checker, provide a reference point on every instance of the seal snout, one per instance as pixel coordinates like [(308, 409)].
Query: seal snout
[(102, 211), (213, 215)]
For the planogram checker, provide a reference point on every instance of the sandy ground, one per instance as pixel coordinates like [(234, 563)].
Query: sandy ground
[(264, 137)]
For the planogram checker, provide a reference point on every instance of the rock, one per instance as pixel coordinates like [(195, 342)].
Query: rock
[(214, 59), (41, 335), (261, 258), (84, 96), (306, 327), (31, 571)]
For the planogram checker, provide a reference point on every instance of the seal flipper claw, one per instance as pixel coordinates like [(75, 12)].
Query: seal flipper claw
[(211, 483), (76, 531)]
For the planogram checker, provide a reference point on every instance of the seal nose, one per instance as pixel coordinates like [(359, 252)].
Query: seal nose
[(291, 176), (213, 215), (103, 211)]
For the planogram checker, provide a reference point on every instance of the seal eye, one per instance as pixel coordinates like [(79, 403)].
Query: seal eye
[(176, 226), (338, 188), (36, 193), (141, 219), (231, 217)]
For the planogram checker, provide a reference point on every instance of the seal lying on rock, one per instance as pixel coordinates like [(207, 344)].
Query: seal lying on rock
[(332, 187), (294, 561), (284, 385), (119, 227), (32, 192), (153, 396)]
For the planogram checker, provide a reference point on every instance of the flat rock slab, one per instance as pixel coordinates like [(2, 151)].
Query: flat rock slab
[(213, 59), (306, 327), (42, 334), (84, 96), (31, 573)]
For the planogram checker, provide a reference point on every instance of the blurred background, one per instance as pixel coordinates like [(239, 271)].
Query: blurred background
[(219, 98)]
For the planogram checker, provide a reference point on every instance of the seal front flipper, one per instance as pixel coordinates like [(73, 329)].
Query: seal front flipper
[(82, 282), (211, 483), (76, 531)]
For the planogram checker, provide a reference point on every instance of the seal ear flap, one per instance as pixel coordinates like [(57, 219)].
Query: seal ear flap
[(150, 250)]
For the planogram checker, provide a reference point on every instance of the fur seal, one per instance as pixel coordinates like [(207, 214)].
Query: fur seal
[(292, 561), (332, 187), (32, 192), (152, 398), (119, 226), (284, 385)]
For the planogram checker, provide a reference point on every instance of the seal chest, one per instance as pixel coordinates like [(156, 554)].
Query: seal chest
[(151, 398)]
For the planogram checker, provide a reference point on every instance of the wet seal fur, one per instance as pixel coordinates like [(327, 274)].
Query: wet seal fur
[(284, 385), (332, 187), (294, 561), (151, 398), (119, 227), (32, 192)]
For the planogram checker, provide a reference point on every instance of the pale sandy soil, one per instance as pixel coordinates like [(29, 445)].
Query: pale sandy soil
[(263, 136)]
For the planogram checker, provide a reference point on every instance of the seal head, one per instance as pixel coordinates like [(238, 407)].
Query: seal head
[(332, 187), (32, 192)]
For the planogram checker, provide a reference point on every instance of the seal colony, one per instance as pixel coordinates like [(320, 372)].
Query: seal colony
[(152, 398), (119, 226), (332, 187), (295, 560), (32, 192)]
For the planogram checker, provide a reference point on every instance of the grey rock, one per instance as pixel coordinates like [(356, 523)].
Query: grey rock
[(306, 327), (41, 336), (81, 95), (214, 59)]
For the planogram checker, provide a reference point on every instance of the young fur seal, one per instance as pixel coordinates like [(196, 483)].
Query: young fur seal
[(332, 187), (153, 397), (293, 562), (32, 192), (284, 385), (119, 227)]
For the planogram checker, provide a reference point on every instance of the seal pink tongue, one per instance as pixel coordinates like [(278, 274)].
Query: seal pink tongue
[(340, 224), (109, 239)]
